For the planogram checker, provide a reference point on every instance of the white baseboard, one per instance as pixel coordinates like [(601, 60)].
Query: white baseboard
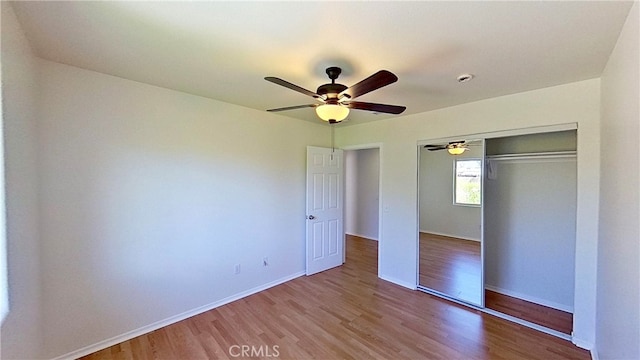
[(449, 235), (532, 299), (594, 354), (398, 282), (173, 319), (362, 236), (585, 345)]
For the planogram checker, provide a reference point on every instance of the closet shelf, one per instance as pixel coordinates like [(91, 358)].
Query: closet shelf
[(531, 156)]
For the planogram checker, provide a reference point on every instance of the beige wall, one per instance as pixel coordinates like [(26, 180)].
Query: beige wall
[(21, 330), (149, 197), (128, 205), (618, 326)]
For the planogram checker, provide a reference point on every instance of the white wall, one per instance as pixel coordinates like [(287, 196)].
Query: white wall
[(4, 274), (618, 326), (530, 230), (362, 168), (20, 334), (350, 190), (149, 197), (438, 214), (569, 103)]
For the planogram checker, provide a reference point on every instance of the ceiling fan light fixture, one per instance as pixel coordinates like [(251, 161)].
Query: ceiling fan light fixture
[(456, 150), (335, 112), (336, 99)]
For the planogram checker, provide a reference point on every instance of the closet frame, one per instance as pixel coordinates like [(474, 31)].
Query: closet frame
[(484, 137)]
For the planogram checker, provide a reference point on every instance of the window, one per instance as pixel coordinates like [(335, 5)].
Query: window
[(467, 182)]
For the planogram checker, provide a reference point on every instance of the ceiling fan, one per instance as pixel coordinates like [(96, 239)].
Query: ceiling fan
[(453, 147), (335, 100)]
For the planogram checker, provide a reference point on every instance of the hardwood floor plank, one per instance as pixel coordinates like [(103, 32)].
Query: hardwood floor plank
[(558, 320), (346, 313), (451, 266)]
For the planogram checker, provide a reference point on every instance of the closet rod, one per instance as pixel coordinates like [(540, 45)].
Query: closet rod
[(539, 155)]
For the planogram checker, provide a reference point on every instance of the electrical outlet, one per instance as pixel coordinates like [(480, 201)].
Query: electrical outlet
[(237, 269), (265, 261)]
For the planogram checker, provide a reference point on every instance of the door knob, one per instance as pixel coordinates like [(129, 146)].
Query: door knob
[(311, 217)]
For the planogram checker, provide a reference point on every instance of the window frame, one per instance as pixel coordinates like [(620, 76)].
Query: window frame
[(455, 182)]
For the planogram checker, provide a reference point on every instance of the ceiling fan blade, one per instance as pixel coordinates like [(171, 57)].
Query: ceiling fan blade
[(373, 82), (381, 108), (293, 107), (291, 86), (435, 147)]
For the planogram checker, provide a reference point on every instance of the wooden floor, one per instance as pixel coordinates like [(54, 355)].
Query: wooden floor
[(453, 266), (538, 314), (345, 313)]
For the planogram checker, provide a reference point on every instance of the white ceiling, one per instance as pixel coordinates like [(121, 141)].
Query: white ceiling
[(223, 50)]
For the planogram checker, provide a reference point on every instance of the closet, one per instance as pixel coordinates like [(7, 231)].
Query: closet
[(526, 227)]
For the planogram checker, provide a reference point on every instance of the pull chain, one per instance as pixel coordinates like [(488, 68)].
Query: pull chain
[(333, 138), (333, 147)]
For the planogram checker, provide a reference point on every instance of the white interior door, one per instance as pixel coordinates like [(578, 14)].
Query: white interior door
[(325, 234)]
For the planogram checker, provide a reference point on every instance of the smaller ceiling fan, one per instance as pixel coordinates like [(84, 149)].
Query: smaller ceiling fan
[(453, 147), (335, 100)]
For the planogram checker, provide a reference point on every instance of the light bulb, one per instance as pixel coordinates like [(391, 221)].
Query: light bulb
[(456, 150), (328, 112)]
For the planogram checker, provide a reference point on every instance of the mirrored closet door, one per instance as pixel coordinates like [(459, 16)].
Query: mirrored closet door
[(450, 218)]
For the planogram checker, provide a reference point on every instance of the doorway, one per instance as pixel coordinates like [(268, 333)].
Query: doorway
[(362, 197)]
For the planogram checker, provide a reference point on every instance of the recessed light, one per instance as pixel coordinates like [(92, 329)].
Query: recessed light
[(465, 78)]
